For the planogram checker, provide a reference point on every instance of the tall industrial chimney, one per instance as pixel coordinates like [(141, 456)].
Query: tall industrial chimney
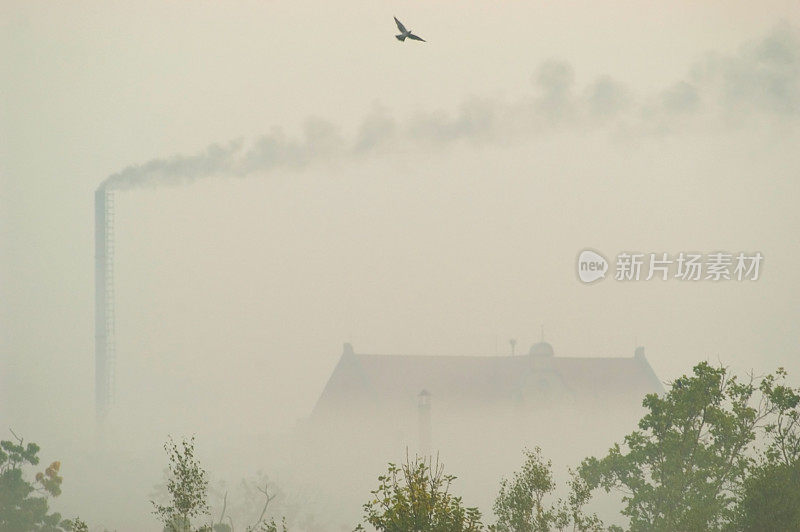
[(104, 346)]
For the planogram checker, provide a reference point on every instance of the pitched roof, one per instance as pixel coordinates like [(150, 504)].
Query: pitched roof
[(378, 381)]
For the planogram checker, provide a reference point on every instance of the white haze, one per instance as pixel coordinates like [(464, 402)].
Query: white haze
[(424, 199)]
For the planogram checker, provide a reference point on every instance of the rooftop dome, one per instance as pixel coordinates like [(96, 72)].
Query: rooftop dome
[(541, 349)]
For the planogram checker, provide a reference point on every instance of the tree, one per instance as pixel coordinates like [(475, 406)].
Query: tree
[(415, 496), (771, 495), (783, 430), (685, 467), (268, 526), (262, 525), (570, 511), (76, 525), (771, 501), (520, 505), (187, 484), (23, 504)]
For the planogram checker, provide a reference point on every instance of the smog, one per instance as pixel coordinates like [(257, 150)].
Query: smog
[(301, 250)]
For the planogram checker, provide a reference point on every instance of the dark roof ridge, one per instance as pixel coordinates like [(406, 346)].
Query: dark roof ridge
[(498, 357)]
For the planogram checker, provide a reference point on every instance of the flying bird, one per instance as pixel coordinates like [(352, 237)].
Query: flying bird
[(405, 34)]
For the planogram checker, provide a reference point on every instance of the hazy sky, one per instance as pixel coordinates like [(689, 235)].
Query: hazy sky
[(407, 197)]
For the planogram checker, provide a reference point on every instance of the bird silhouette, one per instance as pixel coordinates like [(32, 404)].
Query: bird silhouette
[(406, 34)]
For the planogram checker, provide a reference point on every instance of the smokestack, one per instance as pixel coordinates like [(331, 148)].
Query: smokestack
[(424, 410), (104, 347)]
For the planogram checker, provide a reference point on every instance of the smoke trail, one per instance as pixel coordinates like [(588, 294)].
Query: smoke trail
[(761, 81), (266, 152)]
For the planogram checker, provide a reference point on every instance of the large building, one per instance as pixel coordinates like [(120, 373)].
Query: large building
[(382, 384), (475, 412)]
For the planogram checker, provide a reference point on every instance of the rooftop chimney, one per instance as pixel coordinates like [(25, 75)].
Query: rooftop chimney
[(424, 412)]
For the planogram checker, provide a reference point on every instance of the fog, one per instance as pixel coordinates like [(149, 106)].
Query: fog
[(290, 178)]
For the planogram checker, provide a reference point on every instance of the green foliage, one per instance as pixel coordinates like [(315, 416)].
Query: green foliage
[(187, 484), (76, 525), (520, 505), (771, 500), (685, 467), (570, 511), (50, 480), (771, 494), (416, 497), (268, 526), (23, 504), (783, 431)]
